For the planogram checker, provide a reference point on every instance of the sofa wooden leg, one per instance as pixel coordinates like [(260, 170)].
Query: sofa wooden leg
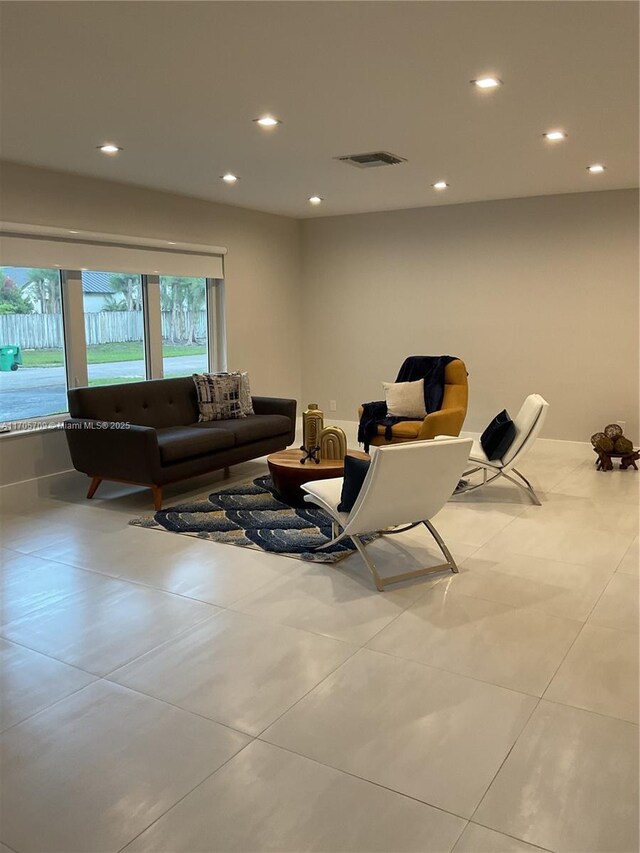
[(227, 471), (157, 497), (95, 482)]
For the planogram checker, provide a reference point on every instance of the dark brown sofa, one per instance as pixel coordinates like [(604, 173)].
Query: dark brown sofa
[(147, 433)]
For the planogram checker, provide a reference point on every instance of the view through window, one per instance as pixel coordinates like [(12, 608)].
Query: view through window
[(32, 371), (183, 302), (114, 327)]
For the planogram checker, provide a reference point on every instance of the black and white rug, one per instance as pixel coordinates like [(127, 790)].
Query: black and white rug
[(252, 516)]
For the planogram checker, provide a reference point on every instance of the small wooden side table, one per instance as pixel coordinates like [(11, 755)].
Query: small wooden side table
[(627, 460), (288, 474)]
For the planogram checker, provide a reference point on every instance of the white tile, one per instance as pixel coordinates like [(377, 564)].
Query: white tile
[(30, 682), (435, 736), (512, 647), (563, 589), (631, 560), (586, 482), (106, 625), (237, 669), (267, 799), (208, 571), (479, 839), (338, 600), (28, 582), (600, 673), (21, 530), (96, 769), (571, 530), (618, 607), (569, 784), (474, 519)]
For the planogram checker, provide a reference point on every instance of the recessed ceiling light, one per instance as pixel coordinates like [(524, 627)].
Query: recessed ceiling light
[(596, 167), (555, 135), (267, 121), (315, 199), (229, 178), (110, 148), (171, 242), (72, 232), (487, 82), (440, 185)]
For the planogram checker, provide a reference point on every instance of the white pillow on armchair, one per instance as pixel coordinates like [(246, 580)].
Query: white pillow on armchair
[(405, 399)]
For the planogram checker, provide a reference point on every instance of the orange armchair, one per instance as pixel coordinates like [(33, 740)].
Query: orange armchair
[(447, 421)]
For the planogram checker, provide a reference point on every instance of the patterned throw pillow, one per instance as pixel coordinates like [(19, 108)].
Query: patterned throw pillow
[(245, 393), (218, 396)]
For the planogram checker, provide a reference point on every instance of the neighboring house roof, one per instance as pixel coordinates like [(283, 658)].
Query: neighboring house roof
[(92, 282), (96, 282)]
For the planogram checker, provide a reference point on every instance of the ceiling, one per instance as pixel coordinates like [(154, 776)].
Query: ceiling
[(177, 84)]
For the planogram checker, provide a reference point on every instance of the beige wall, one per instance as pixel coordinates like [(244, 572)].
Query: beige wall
[(536, 295), (262, 267)]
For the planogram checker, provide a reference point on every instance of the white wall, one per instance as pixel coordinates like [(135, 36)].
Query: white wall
[(536, 294), (262, 271)]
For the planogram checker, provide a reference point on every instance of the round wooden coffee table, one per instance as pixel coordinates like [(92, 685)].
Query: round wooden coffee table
[(288, 474)]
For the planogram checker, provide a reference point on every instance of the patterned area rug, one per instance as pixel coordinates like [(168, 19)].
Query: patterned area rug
[(252, 516)]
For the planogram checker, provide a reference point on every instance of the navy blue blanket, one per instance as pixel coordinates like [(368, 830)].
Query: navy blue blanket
[(415, 367)]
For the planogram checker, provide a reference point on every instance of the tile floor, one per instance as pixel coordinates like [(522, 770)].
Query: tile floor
[(162, 693)]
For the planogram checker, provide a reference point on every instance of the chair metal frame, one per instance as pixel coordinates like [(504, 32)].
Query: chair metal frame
[(491, 470), (340, 529)]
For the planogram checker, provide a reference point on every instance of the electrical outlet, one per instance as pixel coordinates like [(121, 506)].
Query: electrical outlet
[(622, 424), (332, 405)]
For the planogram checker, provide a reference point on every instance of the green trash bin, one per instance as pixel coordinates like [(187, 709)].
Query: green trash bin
[(10, 358)]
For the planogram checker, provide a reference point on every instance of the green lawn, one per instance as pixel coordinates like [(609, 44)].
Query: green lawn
[(105, 354), (115, 380)]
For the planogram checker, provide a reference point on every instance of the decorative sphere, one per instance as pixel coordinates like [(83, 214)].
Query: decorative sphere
[(623, 445), (595, 438), (601, 442), (613, 431)]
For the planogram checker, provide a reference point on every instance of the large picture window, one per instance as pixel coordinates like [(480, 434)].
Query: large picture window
[(32, 365), (113, 327), (71, 315)]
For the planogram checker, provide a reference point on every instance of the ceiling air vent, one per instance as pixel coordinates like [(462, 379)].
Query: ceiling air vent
[(372, 159)]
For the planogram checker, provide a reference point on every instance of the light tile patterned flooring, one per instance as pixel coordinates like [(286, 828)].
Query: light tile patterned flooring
[(162, 693)]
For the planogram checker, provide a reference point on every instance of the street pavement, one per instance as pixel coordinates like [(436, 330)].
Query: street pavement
[(31, 392)]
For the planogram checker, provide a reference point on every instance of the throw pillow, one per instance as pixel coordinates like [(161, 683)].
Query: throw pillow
[(245, 393), (355, 470), (405, 399), (246, 403), (498, 436), (218, 396)]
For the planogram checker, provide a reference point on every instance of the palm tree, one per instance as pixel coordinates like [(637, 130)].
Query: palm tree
[(43, 287), (183, 299), (127, 284)]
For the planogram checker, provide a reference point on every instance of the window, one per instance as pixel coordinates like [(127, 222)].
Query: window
[(32, 364), (71, 314), (113, 327), (183, 302)]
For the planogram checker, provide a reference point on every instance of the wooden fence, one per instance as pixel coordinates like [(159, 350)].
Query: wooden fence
[(44, 331)]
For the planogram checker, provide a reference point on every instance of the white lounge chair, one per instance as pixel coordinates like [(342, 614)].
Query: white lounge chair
[(528, 422), (406, 485)]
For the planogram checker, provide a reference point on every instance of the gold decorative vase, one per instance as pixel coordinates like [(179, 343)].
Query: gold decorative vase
[(333, 443), (312, 424)]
